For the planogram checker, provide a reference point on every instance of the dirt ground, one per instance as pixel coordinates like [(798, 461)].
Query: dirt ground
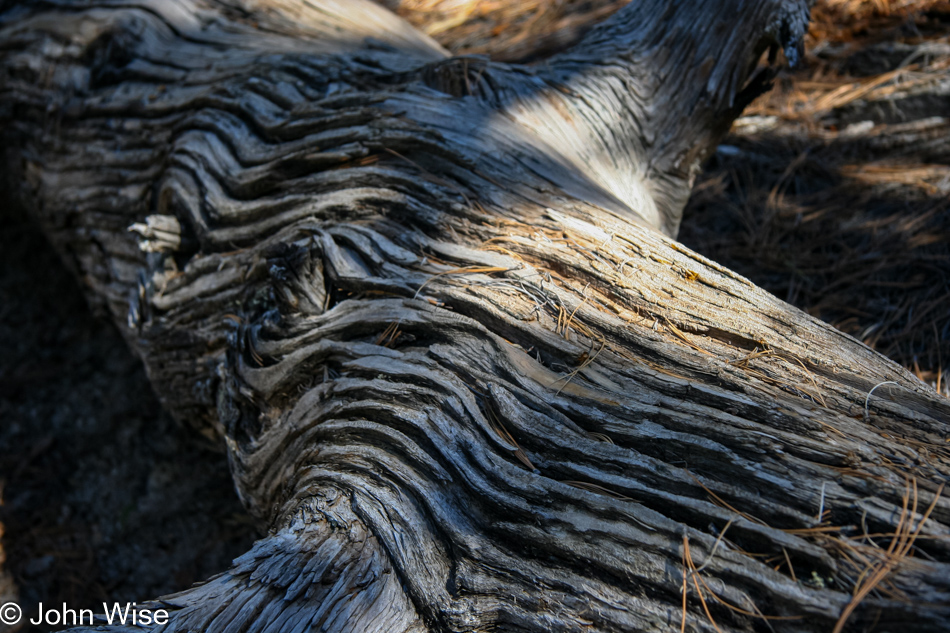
[(104, 497), (833, 192)]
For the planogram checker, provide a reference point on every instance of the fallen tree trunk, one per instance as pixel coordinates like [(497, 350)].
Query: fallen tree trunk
[(465, 381)]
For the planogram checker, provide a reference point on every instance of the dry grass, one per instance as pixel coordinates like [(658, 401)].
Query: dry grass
[(504, 29), (868, 560), (855, 20), (881, 563), (465, 270), (702, 589), (499, 428), (833, 191)]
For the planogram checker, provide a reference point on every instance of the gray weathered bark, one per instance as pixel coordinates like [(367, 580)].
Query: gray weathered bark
[(464, 380)]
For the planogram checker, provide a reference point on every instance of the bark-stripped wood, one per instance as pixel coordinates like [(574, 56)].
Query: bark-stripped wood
[(464, 380)]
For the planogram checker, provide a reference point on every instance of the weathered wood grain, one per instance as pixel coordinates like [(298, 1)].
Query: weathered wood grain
[(465, 380)]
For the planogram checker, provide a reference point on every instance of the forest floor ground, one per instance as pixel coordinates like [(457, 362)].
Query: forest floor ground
[(832, 192)]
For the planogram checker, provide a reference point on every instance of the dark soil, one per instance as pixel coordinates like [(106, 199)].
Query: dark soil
[(104, 497)]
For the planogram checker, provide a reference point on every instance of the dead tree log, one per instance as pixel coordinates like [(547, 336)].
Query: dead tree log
[(464, 379)]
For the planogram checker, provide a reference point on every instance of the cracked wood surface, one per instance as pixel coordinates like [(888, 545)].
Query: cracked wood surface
[(465, 380)]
